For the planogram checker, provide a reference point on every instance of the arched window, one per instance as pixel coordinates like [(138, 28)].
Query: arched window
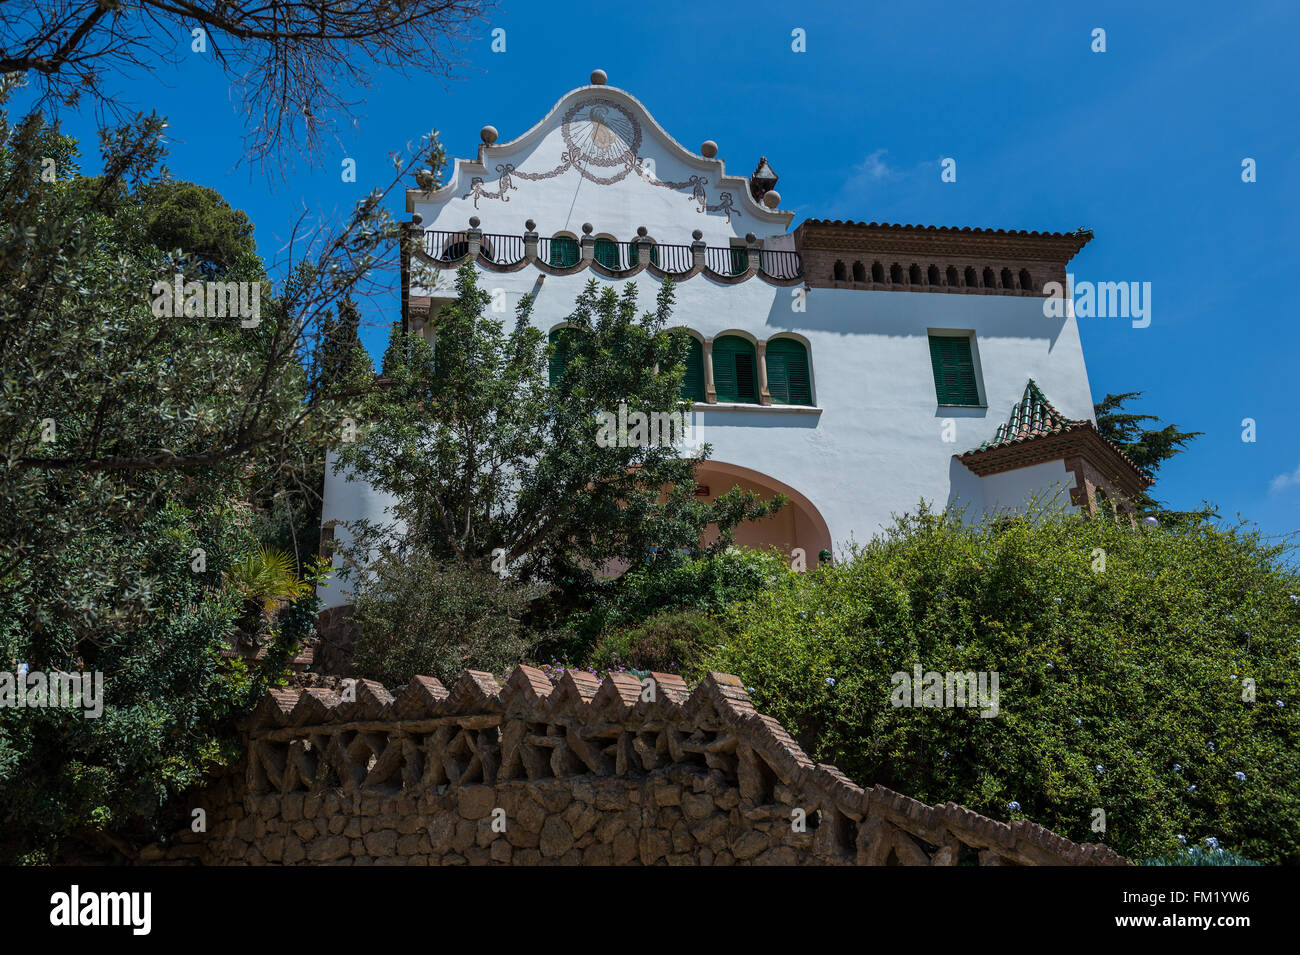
[(1008, 280), (838, 273), (934, 275), (562, 340), (990, 280), (606, 253), (972, 281), (877, 272), (914, 274), (952, 276), (896, 274), (787, 372), (859, 272), (734, 369), (693, 383), (1026, 281), (565, 252)]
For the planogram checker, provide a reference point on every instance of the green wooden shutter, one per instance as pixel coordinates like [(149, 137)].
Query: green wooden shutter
[(606, 253), (788, 380), (733, 369), (693, 383), (739, 259), (564, 252), (954, 370), (560, 358), (778, 377)]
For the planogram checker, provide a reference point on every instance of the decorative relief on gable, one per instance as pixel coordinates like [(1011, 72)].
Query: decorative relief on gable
[(603, 141), (600, 133)]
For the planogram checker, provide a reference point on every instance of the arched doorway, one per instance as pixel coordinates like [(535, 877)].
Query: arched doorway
[(798, 524)]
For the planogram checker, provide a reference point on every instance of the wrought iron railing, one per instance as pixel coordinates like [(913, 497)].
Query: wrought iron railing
[(727, 261), (676, 259), (502, 249), (445, 246), (781, 264), (561, 252), (566, 252)]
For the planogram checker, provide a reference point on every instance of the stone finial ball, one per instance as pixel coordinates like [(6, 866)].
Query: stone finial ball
[(750, 238), (598, 77), (586, 228), (642, 231), (530, 225), (697, 235), (473, 222), (708, 149), (416, 218), (771, 198), (488, 134)]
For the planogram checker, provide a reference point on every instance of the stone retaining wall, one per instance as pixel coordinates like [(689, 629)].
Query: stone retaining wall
[(619, 772)]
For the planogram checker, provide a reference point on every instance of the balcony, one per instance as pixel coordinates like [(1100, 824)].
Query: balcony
[(566, 255)]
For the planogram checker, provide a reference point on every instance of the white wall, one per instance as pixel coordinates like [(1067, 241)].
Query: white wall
[(1048, 484), (348, 500)]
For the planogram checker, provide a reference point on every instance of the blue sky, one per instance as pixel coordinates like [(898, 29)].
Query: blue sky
[(1143, 144)]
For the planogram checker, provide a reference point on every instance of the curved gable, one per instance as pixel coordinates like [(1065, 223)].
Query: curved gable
[(598, 156)]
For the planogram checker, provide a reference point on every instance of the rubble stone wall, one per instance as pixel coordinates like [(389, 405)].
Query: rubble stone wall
[(583, 772)]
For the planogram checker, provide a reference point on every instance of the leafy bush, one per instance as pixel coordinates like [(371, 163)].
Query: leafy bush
[(670, 642), (1121, 654), (711, 583), (421, 616), (170, 700)]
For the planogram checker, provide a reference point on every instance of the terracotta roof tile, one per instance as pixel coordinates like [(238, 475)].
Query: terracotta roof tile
[(1034, 417)]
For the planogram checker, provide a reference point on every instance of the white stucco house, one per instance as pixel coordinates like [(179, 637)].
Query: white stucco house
[(855, 367)]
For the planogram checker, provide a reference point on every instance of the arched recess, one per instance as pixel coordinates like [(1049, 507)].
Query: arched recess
[(798, 524)]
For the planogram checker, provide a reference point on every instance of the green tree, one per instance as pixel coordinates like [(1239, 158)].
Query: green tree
[(137, 449), (182, 215), (1149, 448), (495, 466)]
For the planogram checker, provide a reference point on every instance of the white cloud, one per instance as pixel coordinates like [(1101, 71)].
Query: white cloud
[(874, 168), (863, 185), (1284, 481)]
